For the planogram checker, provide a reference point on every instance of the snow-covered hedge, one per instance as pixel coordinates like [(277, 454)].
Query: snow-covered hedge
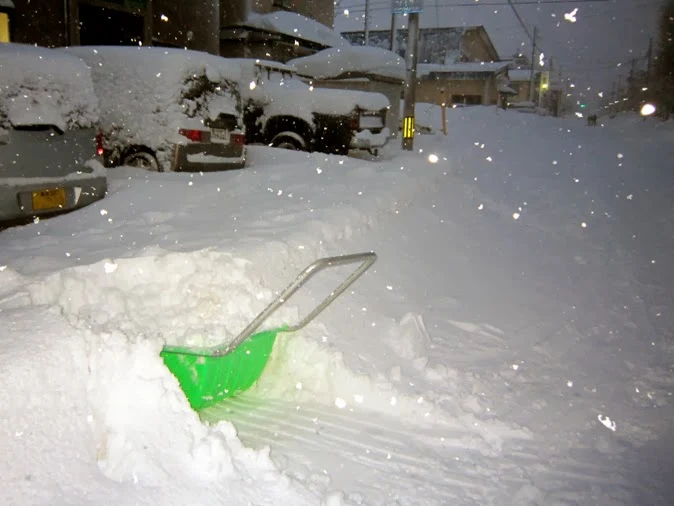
[(45, 86)]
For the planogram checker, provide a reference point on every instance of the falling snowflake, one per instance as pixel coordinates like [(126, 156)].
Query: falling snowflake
[(607, 422), (571, 16)]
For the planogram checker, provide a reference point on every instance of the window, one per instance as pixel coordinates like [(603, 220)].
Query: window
[(4, 27)]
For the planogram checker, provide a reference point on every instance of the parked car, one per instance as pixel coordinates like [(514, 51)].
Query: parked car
[(167, 109), (48, 117), (283, 111)]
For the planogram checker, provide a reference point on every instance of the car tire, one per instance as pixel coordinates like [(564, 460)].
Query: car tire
[(282, 141), (142, 159)]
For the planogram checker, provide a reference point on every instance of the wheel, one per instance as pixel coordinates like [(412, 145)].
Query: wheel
[(286, 143), (142, 160)]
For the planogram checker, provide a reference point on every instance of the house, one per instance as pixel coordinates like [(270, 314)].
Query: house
[(457, 65), (520, 81), (196, 24)]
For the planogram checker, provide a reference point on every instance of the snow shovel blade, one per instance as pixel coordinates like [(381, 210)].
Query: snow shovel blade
[(207, 379), (208, 375)]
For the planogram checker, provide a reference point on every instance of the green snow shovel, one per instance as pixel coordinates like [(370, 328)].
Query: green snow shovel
[(208, 375)]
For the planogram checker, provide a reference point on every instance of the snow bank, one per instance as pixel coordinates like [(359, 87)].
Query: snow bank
[(106, 405), (334, 62), (45, 86)]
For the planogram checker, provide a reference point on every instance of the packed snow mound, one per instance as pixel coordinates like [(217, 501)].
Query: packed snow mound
[(43, 86), (337, 61), (296, 25)]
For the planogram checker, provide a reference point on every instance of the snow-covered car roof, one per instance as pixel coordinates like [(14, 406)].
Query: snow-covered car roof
[(336, 61), (45, 86)]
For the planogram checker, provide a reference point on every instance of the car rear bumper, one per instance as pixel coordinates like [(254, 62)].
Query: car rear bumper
[(208, 157), (16, 195), (365, 139)]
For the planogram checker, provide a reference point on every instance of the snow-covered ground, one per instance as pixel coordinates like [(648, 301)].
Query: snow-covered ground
[(513, 344)]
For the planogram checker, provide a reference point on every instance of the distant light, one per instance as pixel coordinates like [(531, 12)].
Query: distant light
[(252, 85), (433, 158), (647, 109), (346, 12), (164, 17)]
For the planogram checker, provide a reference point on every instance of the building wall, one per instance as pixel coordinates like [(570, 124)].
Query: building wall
[(233, 11), (439, 91), (41, 22), (476, 48), (276, 50), (194, 26)]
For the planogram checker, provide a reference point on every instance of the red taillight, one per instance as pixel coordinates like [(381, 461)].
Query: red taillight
[(238, 139), (99, 143), (195, 135)]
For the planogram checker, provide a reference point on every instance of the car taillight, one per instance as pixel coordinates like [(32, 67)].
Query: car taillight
[(99, 143), (238, 139), (195, 135)]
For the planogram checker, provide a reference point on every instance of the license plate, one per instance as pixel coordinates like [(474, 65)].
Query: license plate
[(53, 198), (220, 135)]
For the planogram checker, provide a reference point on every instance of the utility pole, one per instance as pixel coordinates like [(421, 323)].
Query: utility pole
[(532, 77), (411, 59), (392, 43), (367, 22), (631, 85), (649, 61)]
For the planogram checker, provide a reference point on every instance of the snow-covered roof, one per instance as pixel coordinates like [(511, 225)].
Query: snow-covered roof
[(337, 61), (504, 88), (296, 25), (518, 75), (44, 86), (427, 68)]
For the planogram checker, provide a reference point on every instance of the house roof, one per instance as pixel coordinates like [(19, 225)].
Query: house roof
[(351, 61), (436, 45), (519, 75), (295, 25)]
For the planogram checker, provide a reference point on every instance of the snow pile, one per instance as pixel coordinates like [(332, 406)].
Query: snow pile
[(334, 62), (296, 25), (107, 397), (45, 87), (163, 90)]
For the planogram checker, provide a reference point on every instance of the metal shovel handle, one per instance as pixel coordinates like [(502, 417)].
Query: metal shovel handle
[(365, 260)]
